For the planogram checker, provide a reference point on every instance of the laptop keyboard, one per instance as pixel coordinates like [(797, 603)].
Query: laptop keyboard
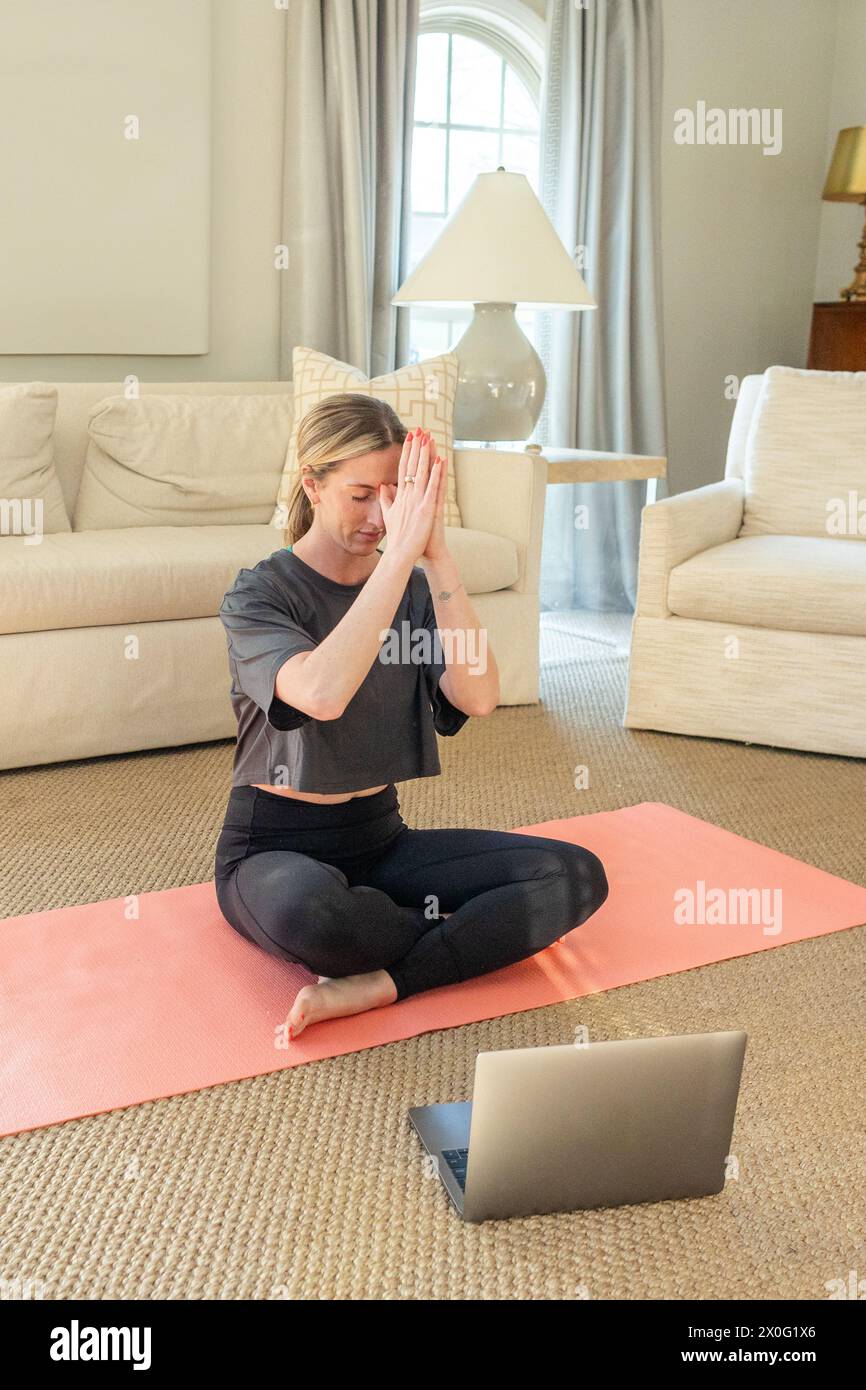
[(457, 1160)]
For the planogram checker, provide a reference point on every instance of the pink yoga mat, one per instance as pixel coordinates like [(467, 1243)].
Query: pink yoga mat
[(103, 1008)]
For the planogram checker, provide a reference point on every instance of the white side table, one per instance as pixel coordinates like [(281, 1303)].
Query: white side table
[(595, 466)]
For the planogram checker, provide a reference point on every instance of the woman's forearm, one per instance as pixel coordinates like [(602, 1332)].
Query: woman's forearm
[(323, 683), (473, 676)]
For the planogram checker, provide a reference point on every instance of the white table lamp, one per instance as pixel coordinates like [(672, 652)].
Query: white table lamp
[(498, 248)]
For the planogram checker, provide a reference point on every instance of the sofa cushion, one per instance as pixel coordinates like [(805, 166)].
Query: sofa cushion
[(183, 460), (147, 574), (131, 575), (805, 452), (30, 494), (792, 583), (422, 394)]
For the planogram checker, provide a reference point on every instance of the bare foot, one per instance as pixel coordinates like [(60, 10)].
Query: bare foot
[(337, 998)]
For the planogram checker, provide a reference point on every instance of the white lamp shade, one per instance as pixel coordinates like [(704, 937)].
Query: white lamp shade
[(498, 247)]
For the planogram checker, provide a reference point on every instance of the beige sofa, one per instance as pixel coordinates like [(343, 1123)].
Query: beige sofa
[(757, 636), (75, 685)]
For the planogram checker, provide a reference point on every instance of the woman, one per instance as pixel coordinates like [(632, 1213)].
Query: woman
[(314, 862)]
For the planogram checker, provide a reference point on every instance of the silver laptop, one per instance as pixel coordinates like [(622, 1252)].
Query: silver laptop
[(594, 1125)]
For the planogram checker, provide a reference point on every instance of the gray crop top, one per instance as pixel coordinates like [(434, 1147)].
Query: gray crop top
[(387, 732)]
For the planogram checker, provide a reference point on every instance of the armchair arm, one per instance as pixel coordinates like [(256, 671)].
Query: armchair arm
[(503, 492), (679, 527)]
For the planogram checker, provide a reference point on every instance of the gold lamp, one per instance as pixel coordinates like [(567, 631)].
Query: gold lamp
[(846, 183)]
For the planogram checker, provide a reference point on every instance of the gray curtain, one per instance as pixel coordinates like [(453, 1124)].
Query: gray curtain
[(600, 186), (350, 95)]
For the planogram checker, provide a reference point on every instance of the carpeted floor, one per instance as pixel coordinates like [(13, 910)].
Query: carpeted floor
[(309, 1183)]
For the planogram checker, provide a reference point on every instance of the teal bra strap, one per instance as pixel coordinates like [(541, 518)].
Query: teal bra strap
[(288, 547)]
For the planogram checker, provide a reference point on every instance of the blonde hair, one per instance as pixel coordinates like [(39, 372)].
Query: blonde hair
[(338, 428)]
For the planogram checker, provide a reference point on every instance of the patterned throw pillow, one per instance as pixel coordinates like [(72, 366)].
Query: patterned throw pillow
[(422, 394)]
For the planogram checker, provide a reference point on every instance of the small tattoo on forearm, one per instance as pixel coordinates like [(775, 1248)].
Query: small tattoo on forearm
[(446, 593)]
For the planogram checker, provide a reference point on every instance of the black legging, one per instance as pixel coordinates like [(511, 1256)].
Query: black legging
[(343, 888)]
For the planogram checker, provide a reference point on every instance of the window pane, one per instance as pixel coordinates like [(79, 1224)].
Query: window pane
[(476, 77), (428, 337), (431, 78), (520, 156), (472, 152), (520, 109), (527, 319), (428, 170), (425, 230)]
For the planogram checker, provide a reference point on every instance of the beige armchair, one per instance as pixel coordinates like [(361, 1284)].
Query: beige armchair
[(746, 633)]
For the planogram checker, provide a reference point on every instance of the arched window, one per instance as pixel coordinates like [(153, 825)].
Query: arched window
[(477, 92)]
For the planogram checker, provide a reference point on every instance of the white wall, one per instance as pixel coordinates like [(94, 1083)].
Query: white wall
[(842, 223), (741, 229)]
